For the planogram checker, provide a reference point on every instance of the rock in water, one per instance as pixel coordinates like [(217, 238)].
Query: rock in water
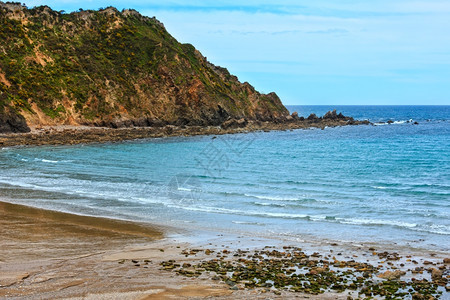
[(392, 275), (332, 115), (312, 117), (436, 274)]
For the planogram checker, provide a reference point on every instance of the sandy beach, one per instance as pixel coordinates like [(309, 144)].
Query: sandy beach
[(50, 255), (133, 166)]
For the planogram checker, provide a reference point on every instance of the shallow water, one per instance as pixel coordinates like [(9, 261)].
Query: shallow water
[(384, 183)]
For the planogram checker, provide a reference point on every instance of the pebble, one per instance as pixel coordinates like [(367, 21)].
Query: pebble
[(270, 270)]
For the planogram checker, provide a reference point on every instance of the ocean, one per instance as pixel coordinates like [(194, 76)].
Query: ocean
[(386, 184)]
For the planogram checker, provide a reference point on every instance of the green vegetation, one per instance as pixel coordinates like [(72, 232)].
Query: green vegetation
[(108, 64)]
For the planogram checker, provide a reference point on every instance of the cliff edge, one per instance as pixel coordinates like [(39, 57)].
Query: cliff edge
[(115, 69)]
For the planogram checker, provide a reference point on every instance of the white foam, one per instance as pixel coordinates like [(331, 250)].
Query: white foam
[(394, 122), (240, 212), (272, 198), (269, 204), (19, 184), (356, 221), (320, 218), (46, 160), (434, 228), (208, 209), (379, 187), (247, 223)]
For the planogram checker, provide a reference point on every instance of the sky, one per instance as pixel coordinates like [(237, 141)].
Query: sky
[(323, 52)]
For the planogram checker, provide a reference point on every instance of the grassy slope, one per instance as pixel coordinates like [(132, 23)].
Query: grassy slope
[(103, 66)]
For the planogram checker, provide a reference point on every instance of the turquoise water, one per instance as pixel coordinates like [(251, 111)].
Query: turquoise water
[(382, 184)]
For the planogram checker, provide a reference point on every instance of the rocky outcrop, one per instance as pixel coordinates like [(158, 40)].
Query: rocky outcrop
[(332, 115), (11, 121), (233, 123), (148, 128), (115, 69)]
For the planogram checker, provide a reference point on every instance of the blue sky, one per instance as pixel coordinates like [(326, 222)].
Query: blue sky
[(315, 52)]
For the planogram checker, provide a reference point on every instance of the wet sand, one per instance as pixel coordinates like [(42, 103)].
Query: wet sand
[(52, 255), (48, 255)]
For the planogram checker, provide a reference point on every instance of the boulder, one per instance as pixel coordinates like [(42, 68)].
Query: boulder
[(392, 275), (156, 122), (295, 115), (140, 122), (12, 122), (331, 115), (436, 274), (312, 117), (233, 123), (242, 122)]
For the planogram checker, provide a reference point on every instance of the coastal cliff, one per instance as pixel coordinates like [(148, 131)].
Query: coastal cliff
[(113, 69)]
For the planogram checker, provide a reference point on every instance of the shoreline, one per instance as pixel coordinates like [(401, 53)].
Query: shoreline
[(197, 237), (51, 254), (89, 223), (73, 135)]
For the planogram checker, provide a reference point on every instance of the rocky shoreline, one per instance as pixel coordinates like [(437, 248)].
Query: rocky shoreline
[(123, 131), (288, 270), (81, 257)]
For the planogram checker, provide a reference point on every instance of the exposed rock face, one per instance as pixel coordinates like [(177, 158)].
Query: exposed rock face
[(10, 121), (233, 123), (115, 69)]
